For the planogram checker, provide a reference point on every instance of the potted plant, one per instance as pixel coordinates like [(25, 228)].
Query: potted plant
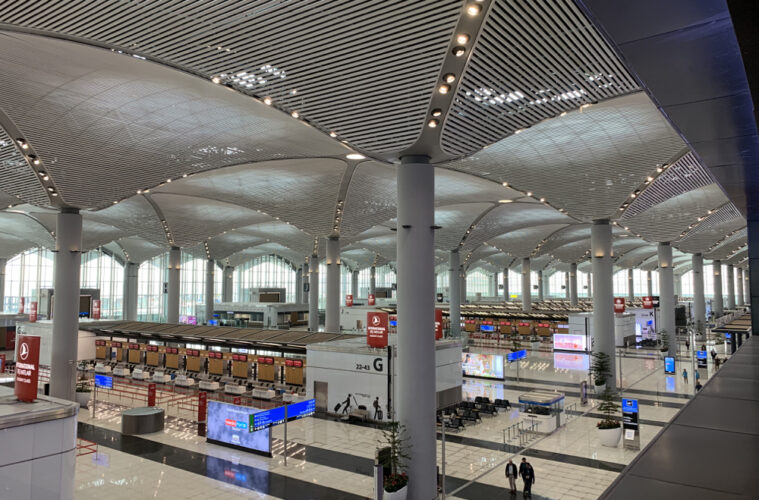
[(664, 336), (83, 392), (392, 456), (601, 370), (609, 428)]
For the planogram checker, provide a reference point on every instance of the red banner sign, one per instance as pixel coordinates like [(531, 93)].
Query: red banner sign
[(27, 367), (619, 305), (202, 406), (237, 400), (648, 302), (32, 312), (438, 324), (288, 362), (115, 344), (371, 300), (298, 363), (349, 300), (151, 394), (96, 309), (376, 329)]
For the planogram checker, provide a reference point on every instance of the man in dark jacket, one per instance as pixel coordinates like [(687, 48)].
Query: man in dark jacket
[(528, 476), (511, 474)]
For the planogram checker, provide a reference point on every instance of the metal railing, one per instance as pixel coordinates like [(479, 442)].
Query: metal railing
[(523, 430)]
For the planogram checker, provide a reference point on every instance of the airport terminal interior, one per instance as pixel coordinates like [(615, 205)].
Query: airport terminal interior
[(381, 249)]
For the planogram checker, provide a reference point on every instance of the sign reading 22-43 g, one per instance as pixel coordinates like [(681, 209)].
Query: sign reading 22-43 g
[(377, 365)]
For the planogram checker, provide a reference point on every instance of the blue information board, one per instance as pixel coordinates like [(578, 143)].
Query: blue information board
[(700, 354), (104, 381), (302, 409), (629, 405), (669, 364), (268, 418), (487, 328), (514, 356)]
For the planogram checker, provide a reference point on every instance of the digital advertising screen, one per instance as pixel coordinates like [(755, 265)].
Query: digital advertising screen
[(702, 358), (487, 328), (669, 364), (229, 424), (570, 342), (482, 365), (571, 361)]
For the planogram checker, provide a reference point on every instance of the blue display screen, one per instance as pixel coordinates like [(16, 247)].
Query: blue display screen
[(393, 322), (303, 409), (629, 405), (213, 322), (268, 418), (669, 364), (700, 354), (487, 328), (513, 356), (104, 381), (728, 335), (229, 424)]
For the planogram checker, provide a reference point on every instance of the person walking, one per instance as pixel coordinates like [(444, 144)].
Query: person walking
[(685, 375), (528, 476), (714, 354), (377, 411), (511, 474), (687, 344), (347, 404), (697, 376)]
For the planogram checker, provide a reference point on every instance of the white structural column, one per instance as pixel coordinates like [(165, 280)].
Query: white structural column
[(416, 312), (566, 285), (172, 299), (332, 302), (678, 287), (454, 298), (373, 280), (303, 293), (741, 297), (746, 288), (313, 293), (68, 246), (227, 290), (526, 286), (210, 275), (699, 303), (650, 283), (540, 286), (603, 295), (718, 306), (462, 284), (354, 284), (667, 296), (298, 284), (573, 284), (730, 287), (506, 284), (2, 284), (630, 285), (131, 271)]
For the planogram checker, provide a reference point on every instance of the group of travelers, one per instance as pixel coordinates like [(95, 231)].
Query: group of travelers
[(525, 471)]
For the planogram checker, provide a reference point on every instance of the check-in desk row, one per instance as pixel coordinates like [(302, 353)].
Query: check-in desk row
[(242, 366)]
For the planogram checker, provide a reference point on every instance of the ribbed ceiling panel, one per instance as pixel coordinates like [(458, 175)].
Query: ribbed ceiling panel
[(16, 177), (365, 70), (533, 61), (722, 222)]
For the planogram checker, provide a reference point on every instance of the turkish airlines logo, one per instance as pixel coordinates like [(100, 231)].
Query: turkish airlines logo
[(375, 320), (23, 351)]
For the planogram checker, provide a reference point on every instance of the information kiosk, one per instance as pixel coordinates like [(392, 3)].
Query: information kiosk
[(544, 410)]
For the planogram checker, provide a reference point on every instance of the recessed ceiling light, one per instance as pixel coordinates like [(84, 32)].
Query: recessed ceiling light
[(542, 200), (433, 123), (437, 112), (267, 101), (529, 193), (216, 79), (449, 78), (355, 156), (444, 88), (473, 9), (563, 113), (505, 184), (505, 201), (332, 134), (295, 114), (462, 38), (184, 175), (459, 51), (168, 180)]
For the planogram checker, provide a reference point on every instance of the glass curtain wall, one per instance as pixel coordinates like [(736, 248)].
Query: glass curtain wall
[(25, 274), (262, 272), (193, 285), (100, 270), (478, 281), (384, 278), (152, 278), (345, 284)]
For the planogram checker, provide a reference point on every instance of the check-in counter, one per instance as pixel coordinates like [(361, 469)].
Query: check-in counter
[(171, 358), (153, 355), (215, 362), (193, 361), (240, 366), (294, 371), (267, 371), (524, 328), (101, 350), (135, 354)]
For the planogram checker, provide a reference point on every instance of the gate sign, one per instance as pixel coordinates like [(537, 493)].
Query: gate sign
[(619, 305), (438, 324), (27, 367), (376, 329), (96, 309), (33, 312), (371, 300), (349, 300), (648, 302)]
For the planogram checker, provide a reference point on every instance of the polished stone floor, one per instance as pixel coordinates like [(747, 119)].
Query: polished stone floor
[(332, 459)]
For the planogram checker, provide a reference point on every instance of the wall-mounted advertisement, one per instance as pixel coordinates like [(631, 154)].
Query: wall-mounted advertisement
[(228, 424), (570, 342), (571, 361), (482, 365), (669, 365)]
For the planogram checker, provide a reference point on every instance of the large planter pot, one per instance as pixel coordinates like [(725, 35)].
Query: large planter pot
[(396, 495), (600, 388), (610, 437), (83, 398)]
